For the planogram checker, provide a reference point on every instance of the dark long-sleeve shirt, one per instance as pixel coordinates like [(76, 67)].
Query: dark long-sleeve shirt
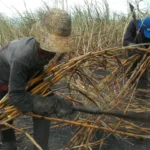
[(130, 35), (19, 60)]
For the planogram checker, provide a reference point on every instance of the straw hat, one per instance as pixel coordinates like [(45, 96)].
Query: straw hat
[(54, 31)]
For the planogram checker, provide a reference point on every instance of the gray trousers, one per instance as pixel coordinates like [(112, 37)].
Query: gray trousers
[(41, 131)]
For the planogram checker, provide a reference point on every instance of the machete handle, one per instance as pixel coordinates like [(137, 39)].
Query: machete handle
[(115, 114)]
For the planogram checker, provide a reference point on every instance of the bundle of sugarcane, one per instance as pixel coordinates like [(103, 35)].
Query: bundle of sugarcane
[(51, 76), (109, 90), (114, 92)]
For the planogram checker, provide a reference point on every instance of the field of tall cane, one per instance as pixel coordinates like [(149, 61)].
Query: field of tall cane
[(97, 75)]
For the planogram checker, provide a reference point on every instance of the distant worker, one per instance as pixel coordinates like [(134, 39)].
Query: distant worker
[(138, 32), (132, 38)]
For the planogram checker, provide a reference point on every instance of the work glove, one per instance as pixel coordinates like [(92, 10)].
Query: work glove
[(52, 104), (44, 105), (63, 107), (135, 51)]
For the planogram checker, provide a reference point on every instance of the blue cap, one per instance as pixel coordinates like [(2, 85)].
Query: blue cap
[(145, 25)]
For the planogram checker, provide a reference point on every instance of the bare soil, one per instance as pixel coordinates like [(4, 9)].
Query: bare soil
[(59, 137)]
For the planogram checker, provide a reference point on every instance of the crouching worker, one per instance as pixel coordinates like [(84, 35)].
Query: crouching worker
[(21, 59)]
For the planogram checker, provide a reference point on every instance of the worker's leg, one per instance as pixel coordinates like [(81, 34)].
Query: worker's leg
[(143, 81), (133, 67), (9, 139), (41, 131), (8, 136)]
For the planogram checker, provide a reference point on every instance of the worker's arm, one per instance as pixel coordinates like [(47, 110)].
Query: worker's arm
[(129, 34), (22, 99)]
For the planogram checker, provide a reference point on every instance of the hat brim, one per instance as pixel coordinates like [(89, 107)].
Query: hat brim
[(146, 33), (54, 43)]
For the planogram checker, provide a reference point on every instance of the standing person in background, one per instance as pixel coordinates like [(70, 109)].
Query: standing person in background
[(138, 32), (21, 59), (131, 38)]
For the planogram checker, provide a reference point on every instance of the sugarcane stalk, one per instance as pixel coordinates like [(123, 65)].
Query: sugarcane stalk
[(90, 126)]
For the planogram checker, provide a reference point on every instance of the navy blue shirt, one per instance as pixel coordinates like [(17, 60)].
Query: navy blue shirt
[(130, 35)]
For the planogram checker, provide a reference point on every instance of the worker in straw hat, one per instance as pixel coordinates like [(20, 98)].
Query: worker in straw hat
[(138, 32), (20, 59)]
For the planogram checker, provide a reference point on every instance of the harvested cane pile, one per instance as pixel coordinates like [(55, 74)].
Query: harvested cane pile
[(96, 80)]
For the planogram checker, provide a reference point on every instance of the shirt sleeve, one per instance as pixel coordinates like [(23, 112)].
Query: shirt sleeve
[(130, 34), (19, 97), (22, 60)]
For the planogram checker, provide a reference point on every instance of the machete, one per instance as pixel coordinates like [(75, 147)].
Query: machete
[(97, 111), (132, 9)]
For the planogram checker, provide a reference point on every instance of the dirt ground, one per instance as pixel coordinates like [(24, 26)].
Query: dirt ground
[(59, 137)]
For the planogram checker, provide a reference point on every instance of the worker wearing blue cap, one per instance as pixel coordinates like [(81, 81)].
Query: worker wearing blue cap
[(138, 32)]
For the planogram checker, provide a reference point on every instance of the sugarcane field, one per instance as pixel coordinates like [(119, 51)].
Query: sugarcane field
[(93, 92)]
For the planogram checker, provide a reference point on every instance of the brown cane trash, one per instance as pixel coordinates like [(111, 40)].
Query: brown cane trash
[(108, 91)]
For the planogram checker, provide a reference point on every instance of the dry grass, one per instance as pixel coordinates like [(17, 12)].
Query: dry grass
[(97, 38), (109, 91)]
